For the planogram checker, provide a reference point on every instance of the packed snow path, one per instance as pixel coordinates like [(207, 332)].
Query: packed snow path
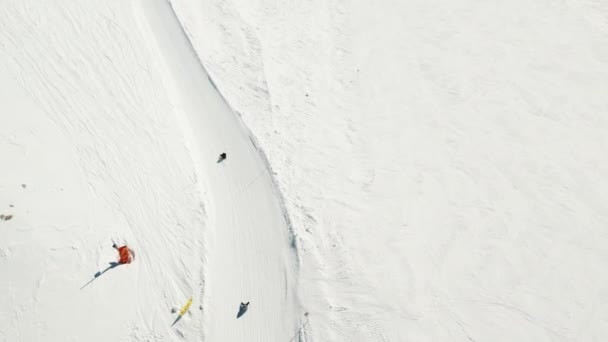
[(249, 256)]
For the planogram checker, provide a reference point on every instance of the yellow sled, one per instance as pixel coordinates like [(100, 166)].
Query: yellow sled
[(185, 307)]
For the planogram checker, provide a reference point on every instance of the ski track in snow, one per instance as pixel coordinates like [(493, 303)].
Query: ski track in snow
[(121, 95), (249, 259)]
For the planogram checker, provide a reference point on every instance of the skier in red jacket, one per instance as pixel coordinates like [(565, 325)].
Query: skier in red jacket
[(125, 254)]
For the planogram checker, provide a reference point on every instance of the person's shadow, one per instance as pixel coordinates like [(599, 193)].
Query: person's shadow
[(176, 320), (242, 309), (99, 273)]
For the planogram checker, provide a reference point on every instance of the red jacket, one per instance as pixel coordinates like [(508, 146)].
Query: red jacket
[(125, 255)]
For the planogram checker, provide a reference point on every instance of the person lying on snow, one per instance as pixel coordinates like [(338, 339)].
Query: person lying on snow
[(125, 254)]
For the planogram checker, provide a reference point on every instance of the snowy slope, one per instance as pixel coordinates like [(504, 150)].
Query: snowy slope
[(249, 256), (439, 169), (107, 161), (443, 162), (112, 126)]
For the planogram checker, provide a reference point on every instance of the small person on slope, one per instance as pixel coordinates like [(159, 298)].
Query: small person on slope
[(125, 254), (242, 309), (222, 157)]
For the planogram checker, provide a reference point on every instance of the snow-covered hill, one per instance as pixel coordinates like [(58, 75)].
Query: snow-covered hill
[(397, 170), (443, 162), (113, 127)]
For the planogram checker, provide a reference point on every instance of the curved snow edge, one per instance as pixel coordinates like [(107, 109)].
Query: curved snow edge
[(254, 141)]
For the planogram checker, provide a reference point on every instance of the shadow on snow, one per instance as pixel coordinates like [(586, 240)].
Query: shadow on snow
[(99, 273), (177, 320)]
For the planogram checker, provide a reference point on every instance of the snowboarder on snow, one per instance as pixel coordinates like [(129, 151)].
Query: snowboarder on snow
[(125, 254), (222, 157)]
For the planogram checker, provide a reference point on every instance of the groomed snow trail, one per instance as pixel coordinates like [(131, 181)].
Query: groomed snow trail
[(248, 245)]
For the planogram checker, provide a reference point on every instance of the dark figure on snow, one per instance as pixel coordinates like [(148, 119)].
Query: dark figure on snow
[(242, 309), (222, 157)]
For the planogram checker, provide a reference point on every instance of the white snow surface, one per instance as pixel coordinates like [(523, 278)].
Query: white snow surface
[(115, 130), (397, 170)]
